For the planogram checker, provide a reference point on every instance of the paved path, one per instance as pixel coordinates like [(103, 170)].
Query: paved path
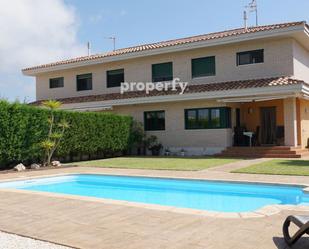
[(91, 224), (204, 174), (84, 224), (239, 164)]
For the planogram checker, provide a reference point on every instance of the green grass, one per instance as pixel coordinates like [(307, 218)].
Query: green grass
[(278, 167), (162, 163)]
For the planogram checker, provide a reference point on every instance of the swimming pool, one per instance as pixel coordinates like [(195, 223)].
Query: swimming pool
[(196, 194)]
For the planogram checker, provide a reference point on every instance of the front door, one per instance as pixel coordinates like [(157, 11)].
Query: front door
[(268, 125)]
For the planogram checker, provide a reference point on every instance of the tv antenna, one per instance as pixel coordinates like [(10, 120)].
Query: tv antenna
[(252, 7), (113, 38), (88, 48), (245, 19)]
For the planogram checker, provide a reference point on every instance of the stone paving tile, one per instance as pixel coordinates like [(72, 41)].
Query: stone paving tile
[(93, 224), (205, 174), (186, 246), (164, 228)]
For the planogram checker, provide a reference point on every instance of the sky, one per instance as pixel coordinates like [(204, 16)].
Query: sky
[(40, 31)]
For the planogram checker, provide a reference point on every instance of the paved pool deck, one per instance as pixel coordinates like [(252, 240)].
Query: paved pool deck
[(89, 223)]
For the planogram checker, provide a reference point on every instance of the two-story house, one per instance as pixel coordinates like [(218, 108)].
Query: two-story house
[(245, 86)]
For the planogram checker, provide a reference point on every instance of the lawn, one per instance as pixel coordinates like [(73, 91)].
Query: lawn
[(162, 163), (278, 167)]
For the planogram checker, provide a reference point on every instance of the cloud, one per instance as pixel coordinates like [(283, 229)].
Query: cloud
[(35, 32)]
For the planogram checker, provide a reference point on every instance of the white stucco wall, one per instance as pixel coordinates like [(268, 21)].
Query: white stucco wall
[(301, 62), (290, 122), (175, 136), (278, 61)]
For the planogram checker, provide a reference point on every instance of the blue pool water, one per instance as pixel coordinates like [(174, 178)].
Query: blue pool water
[(203, 195)]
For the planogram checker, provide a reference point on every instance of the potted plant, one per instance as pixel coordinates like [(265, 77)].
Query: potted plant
[(154, 146), (137, 139), (182, 152), (167, 152)]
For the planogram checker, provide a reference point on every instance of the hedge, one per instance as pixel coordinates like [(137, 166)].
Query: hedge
[(95, 134)]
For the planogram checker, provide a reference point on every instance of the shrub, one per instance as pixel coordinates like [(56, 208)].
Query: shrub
[(23, 128), (153, 145), (137, 138)]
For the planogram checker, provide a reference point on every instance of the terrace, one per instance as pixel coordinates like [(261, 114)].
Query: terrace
[(85, 222)]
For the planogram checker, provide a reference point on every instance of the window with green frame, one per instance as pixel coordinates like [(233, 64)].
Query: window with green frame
[(205, 66), (162, 72), (154, 121), (56, 82), (114, 77), (208, 118), (84, 82)]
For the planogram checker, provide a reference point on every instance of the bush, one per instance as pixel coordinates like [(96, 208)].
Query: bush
[(153, 145), (137, 138), (95, 134)]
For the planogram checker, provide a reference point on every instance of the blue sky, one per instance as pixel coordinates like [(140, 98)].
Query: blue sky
[(65, 26), (134, 22)]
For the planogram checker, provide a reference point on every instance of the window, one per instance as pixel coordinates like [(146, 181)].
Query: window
[(84, 82), (250, 57), (56, 82), (215, 118), (208, 118), (203, 67), (162, 72), (115, 77), (154, 120)]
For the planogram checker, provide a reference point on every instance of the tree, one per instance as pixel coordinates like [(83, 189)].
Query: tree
[(55, 131)]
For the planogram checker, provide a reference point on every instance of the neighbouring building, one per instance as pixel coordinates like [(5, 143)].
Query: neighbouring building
[(242, 83)]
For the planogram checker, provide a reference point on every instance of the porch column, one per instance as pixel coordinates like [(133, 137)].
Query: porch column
[(290, 122)]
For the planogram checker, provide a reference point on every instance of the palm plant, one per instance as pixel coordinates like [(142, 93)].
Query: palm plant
[(55, 131)]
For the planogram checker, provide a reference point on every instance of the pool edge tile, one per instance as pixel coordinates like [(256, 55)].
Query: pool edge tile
[(264, 211)]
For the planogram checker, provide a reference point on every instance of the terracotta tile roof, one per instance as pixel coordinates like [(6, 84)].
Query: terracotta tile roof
[(211, 87), (199, 38)]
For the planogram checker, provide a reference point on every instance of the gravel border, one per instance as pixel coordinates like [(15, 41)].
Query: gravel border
[(12, 241)]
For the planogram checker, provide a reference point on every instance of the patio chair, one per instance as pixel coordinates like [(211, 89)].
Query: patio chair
[(302, 222)]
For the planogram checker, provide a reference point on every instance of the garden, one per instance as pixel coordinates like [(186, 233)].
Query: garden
[(36, 138), (44, 136), (33, 137)]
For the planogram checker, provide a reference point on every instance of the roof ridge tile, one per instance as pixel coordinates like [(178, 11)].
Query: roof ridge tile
[(168, 43)]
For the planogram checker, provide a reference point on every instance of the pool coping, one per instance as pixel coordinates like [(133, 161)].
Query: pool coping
[(265, 211)]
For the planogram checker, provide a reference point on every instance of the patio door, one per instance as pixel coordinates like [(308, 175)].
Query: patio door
[(268, 125)]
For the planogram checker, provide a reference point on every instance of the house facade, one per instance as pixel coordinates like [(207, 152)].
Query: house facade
[(248, 86)]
